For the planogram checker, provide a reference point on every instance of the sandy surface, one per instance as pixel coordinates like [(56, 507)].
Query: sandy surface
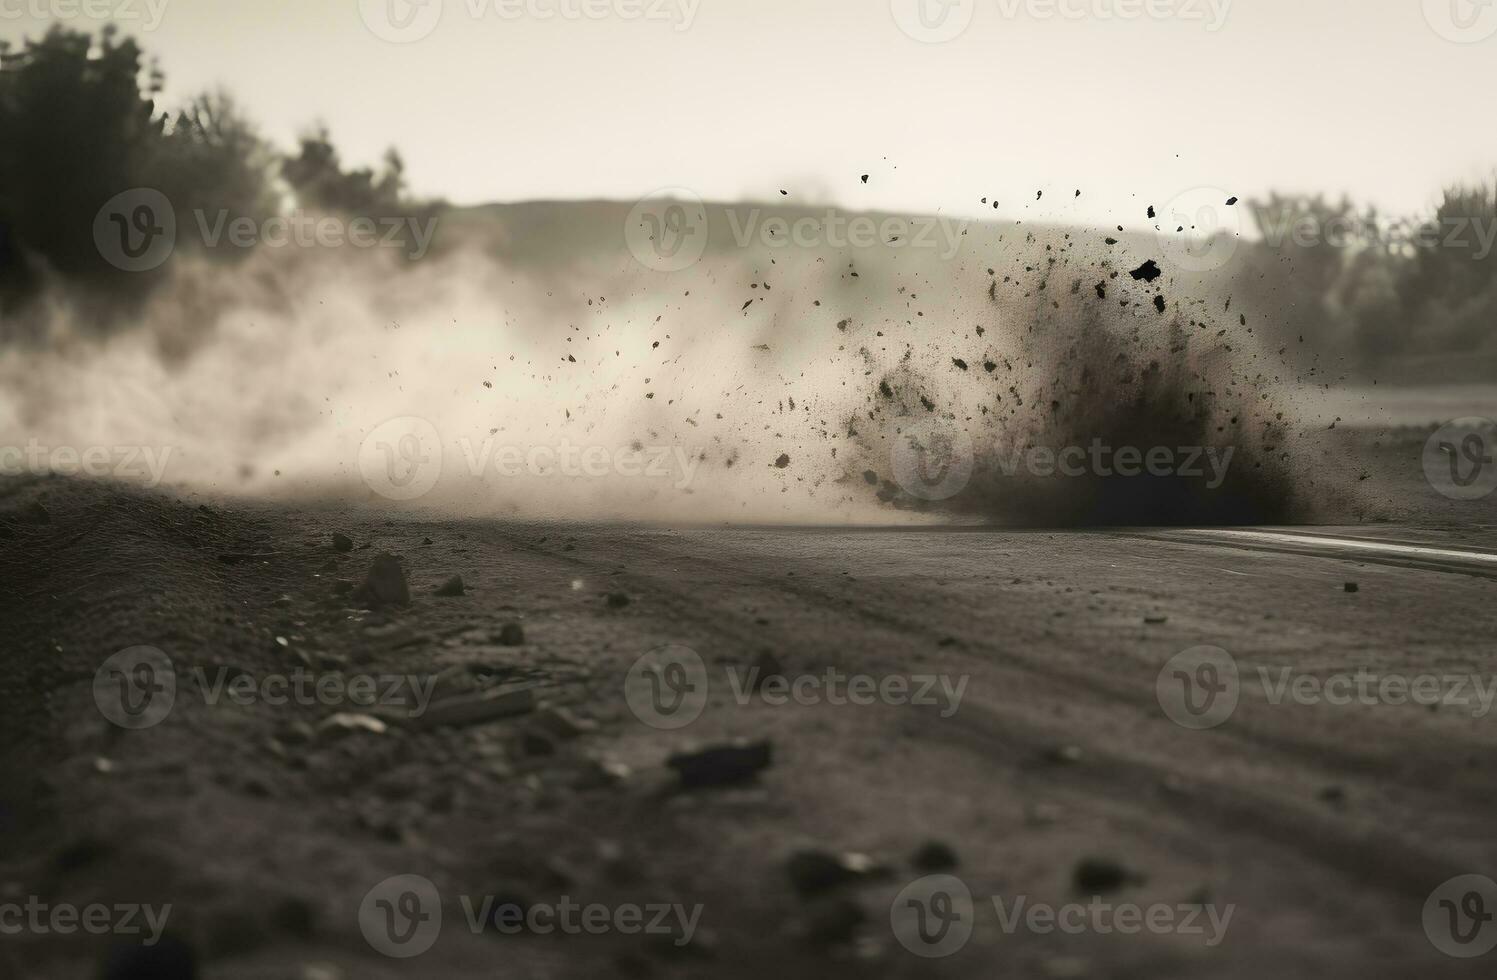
[(1324, 828)]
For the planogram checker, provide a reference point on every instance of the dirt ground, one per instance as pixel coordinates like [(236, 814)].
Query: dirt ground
[(1057, 775)]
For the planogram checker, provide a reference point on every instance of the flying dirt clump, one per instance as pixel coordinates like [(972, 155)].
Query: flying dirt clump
[(1097, 413)]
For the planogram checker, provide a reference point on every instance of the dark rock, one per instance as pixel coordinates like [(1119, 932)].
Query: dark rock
[(722, 765), (1147, 272), (385, 584), (1353, 587), (832, 921), (766, 666), (452, 588), (618, 600), (934, 856), (813, 872), (342, 543), (1096, 876), (512, 635), (169, 959)]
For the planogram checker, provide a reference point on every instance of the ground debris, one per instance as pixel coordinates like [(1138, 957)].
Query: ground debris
[(385, 585), (722, 765), (451, 588)]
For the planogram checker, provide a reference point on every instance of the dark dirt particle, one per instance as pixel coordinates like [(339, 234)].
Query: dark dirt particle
[(1147, 272), (1097, 876), (617, 600), (722, 765), (783, 462), (512, 635), (452, 588), (934, 856), (342, 543)]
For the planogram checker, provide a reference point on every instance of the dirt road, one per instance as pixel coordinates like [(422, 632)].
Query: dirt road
[(1025, 680)]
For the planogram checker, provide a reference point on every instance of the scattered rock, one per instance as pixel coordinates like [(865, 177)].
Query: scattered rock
[(385, 584), (722, 765), (1353, 587), (934, 856), (1097, 876), (347, 723), (512, 635), (342, 543), (813, 872), (169, 959), (478, 709), (1156, 620), (452, 588), (1147, 272), (618, 600)]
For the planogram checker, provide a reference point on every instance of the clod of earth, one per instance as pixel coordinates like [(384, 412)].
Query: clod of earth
[(512, 635), (1096, 876), (342, 543), (1353, 587), (722, 765), (451, 588), (617, 600), (934, 856), (385, 585), (813, 872)]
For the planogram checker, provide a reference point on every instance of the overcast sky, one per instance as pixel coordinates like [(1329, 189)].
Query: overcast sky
[(942, 106)]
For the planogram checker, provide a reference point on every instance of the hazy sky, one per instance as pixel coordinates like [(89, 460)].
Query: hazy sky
[(730, 98)]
